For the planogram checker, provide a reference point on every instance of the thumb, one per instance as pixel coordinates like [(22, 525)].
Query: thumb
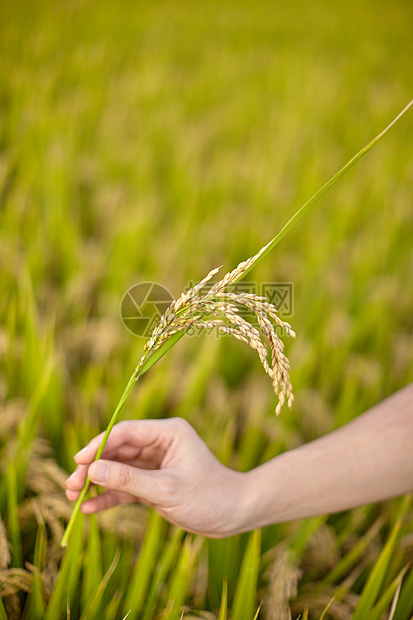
[(144, 484)]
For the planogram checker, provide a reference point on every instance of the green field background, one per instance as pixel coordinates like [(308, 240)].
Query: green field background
[(153, 142)]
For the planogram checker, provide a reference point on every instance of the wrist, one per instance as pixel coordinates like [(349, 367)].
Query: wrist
[(266, 496)]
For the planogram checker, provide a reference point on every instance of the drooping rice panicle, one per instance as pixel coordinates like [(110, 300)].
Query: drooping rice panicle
[(197, 304)]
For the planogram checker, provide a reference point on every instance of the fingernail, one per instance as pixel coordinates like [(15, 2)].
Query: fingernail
[(82, 451), (99, 473)]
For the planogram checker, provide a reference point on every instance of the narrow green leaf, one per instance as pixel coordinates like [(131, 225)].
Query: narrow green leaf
[(111, 609), (164, 348), (246, 590), (148, 555), (352, 556), (372, 588), (36, 602), (404, 609), (257, 612), (92, 607), (389, 595), (67, 580), (12, 516), (327, 608), (92, 566), (223, 608), (178, 588), (323, 190), (305, 532), (3, 615), (40, 548), (166, 561)]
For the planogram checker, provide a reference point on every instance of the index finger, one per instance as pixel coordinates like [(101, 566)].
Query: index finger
[(138, 433)]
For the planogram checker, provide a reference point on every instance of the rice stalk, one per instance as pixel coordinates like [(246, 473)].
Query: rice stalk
[(190, 309)]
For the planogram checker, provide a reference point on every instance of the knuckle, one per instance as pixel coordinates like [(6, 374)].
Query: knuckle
[(180, 425), (124, 477)]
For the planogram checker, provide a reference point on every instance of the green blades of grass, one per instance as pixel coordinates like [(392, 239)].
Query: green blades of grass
[(3, 615), (91, 611), (181, 578), (305, 530), (223, 608), (164, 565), (350, 558), (92, 567), (327, 608), (111, 609), (12, 515), (404, 609), (371, 590), (391, 594), (246, 590), (36, 601), (144, 567), (67, 580)]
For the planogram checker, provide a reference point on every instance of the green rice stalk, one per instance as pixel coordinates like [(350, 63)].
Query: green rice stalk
[(92, 567), (166, 561), (376, 578), (92, 607), (67, 580), (111, 609), (223, 608), (12, 515), (150, 356), (390, 596), (404, 607), (148, 555), (181, 578), (327, 608), (246, 591)]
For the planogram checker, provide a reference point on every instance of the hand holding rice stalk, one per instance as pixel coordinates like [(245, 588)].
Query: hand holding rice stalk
[(218, 308)]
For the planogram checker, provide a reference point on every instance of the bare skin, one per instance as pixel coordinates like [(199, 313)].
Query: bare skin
[(164, 463)]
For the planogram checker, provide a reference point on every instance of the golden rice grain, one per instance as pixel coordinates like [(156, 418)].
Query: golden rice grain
[(195, 306)]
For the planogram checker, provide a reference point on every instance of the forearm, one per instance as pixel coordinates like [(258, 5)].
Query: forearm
[(368, 460)]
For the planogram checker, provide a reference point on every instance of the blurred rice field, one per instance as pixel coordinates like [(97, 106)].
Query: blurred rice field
[(151, 142)]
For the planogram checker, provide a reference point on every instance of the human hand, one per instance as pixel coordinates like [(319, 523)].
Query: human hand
[(165, 464)]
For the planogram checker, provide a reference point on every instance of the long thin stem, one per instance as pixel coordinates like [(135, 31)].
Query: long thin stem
[(82, 496), (298, 214)]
